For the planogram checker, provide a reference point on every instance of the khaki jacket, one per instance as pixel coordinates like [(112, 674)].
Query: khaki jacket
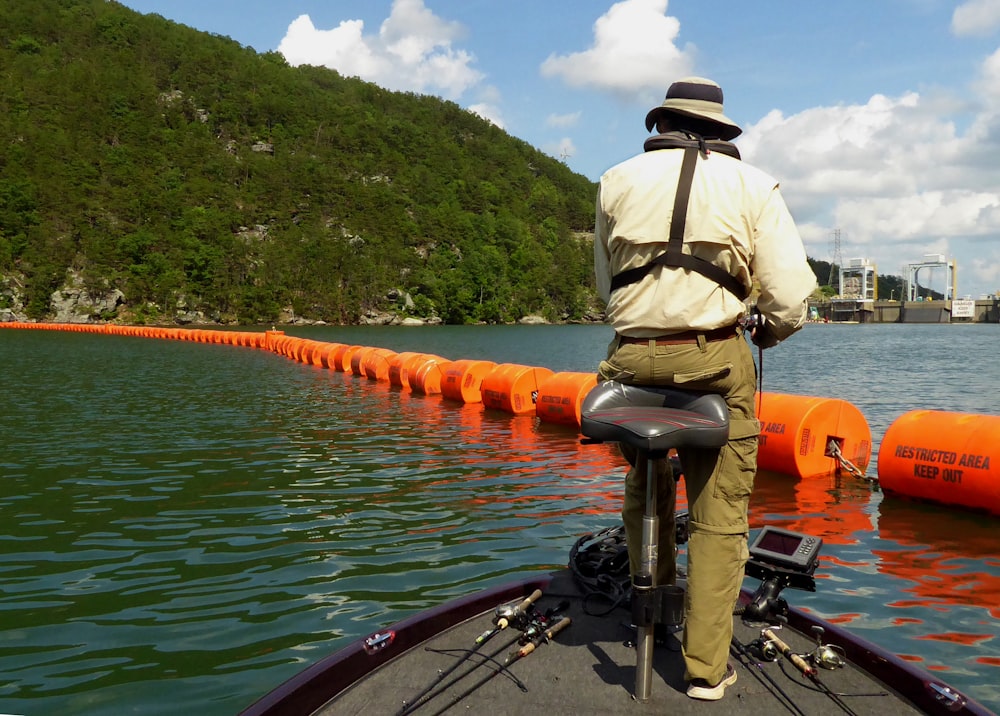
[(736, 219)]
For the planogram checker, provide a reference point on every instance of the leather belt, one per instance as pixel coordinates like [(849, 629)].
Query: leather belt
[(676, 339)]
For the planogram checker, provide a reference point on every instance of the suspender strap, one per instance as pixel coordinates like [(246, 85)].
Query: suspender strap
[(674, 255)]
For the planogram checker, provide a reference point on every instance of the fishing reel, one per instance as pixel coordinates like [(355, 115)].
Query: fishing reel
[(538, 623), (764, 649), (826, 656), (751, 320), (513, 615)]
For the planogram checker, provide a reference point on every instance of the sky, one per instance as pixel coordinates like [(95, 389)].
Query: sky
[(880, 119)]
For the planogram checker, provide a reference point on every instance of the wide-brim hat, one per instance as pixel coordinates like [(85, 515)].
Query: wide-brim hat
[(696, 97)]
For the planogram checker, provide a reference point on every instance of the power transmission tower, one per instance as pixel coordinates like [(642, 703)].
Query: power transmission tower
[(838, 261)]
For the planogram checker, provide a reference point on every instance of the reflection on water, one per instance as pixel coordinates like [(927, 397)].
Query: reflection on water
[(187, 525)]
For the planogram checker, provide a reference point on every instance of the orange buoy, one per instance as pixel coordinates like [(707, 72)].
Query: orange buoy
[(336, 358), (943, 457), (342, 357), (376, 363), (304, 351), (796, 432), (271, 337), (426, 373), (512, 387), (561, 395), (358, 358), (316, 355), (463, 380), (325, 355), (293, 347), (399, 373)]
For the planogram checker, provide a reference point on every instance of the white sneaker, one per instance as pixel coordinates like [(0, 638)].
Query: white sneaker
[(700, 688)]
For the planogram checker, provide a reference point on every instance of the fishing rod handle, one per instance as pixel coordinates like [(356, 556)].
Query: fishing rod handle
[(557, 627), (799, 662), (549, 633), (520, 609), (532, 598)]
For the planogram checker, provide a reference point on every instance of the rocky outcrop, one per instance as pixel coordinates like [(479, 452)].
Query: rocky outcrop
[(11, 306), (73, 303)]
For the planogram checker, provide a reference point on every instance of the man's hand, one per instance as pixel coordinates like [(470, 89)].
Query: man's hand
[(761, 334)]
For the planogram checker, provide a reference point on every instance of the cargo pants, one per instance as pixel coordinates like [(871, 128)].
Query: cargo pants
[(718, 485)]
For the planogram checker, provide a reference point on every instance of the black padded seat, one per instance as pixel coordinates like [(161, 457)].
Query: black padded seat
[(654, 419)]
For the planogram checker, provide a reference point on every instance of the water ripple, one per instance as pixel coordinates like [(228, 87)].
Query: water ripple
[(186, 525)]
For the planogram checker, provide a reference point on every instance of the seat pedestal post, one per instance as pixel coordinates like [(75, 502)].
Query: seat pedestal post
[(645, 581)]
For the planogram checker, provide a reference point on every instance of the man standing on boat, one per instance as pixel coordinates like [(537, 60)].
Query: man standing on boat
[(683, 232)]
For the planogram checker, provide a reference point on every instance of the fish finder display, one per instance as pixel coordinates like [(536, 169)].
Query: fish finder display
[(784, 548)]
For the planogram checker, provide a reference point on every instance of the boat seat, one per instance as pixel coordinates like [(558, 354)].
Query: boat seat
[(654, 419)]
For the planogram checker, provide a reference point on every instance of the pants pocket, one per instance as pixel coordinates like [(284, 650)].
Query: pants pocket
[(703, 374), (609, 371), (738, 466)]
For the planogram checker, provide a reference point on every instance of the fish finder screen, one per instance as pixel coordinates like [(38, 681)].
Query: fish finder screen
[(780, 543), (785, 548)]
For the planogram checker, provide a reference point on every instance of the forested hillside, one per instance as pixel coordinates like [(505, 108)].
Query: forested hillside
[(196, 175)]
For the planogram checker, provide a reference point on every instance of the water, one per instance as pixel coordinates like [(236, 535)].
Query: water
[(186, 525)]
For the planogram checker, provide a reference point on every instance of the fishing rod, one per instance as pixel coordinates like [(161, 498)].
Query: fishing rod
[(747, 658), (515, 655), (807, 670), (505, 616)]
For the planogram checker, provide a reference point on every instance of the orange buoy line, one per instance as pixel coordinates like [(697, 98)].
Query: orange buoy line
[(948, 458), (801, 435), (463, 380), (943, 457)]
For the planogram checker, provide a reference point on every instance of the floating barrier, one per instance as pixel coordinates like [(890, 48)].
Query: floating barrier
[(271, 338), (426, 372), (399, 371), (796, 433), (512, 387), (561, 395), (305, 351), (375, 365), (325, 355), (343, 357), (943, 457), (463, 380), (358, 359)]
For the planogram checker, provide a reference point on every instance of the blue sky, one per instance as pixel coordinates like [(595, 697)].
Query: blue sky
[(880, 118)]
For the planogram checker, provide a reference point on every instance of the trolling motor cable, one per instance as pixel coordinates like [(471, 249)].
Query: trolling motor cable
[(606, 556)]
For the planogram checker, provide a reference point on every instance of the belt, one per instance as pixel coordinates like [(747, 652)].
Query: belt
[(676, 339)]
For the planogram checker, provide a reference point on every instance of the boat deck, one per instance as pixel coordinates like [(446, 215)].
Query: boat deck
[(589, 668)]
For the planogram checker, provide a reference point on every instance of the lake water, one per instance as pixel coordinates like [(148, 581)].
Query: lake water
[(186, 525)]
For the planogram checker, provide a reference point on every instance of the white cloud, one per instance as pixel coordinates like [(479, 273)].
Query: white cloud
[(976, 17), (489, 112), (412, 51), (634, 49), (894, 174), (562, 120)]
